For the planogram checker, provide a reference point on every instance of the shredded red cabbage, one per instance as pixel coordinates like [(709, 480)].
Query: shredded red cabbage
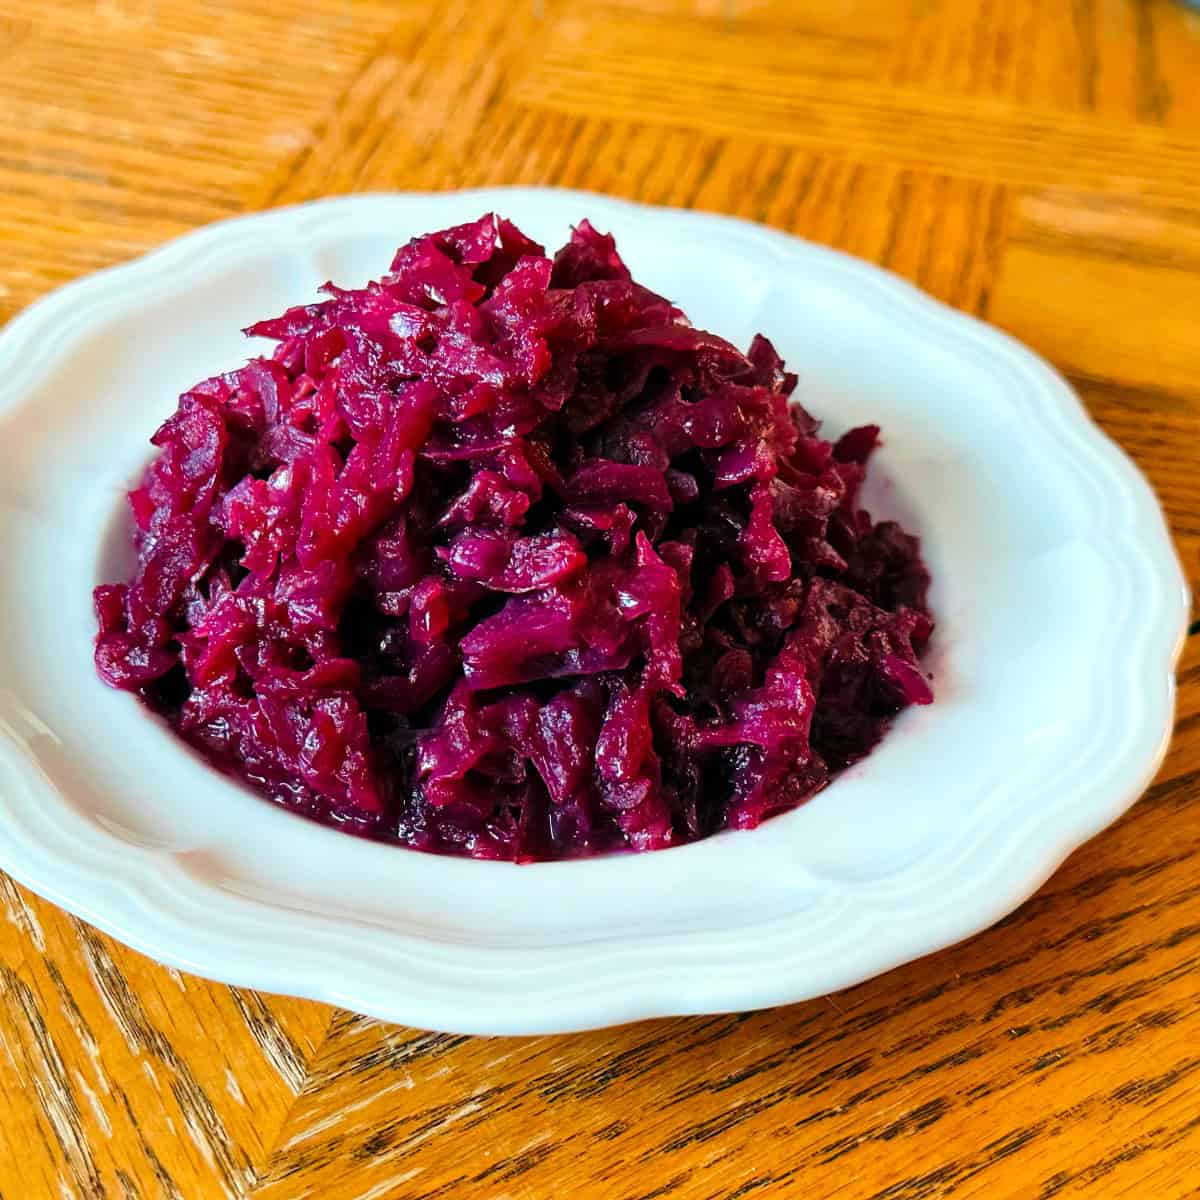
[(500, 556)]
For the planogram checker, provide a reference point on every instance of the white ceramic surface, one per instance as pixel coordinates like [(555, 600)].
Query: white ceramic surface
[(1061, 609)]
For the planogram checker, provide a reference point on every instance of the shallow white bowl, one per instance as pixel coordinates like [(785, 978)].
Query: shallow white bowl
[(1060, 602)]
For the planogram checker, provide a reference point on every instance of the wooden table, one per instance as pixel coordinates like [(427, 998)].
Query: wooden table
[(1037, 164)]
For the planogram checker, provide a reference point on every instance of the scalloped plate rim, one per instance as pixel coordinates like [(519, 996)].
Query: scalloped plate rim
[(645, 992)]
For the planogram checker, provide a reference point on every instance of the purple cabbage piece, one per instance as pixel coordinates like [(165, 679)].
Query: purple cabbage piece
[(500, 556)]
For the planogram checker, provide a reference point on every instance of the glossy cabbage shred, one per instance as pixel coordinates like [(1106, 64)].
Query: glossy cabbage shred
[(500, 556)]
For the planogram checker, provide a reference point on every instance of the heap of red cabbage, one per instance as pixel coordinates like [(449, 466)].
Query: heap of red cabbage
[(500, 556)]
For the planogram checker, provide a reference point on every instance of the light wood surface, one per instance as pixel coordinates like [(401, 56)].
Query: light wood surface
[(1035, 163)]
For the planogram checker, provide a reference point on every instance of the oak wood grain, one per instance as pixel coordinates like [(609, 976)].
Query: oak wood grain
[(1037, 165)]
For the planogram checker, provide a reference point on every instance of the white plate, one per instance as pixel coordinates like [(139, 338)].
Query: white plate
[(1060, 602)]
